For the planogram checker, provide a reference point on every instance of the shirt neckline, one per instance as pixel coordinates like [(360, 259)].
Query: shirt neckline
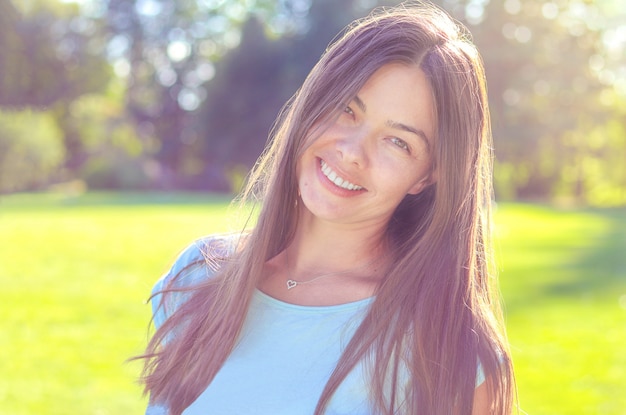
[(354, 305)]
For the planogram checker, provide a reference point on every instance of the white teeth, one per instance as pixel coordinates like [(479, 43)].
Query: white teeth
[(332, 176)]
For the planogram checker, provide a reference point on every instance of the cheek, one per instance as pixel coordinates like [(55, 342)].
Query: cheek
[(305, 168), (404, 177), (298, 169)]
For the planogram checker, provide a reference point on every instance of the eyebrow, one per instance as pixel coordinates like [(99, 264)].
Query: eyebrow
[(396, 125), (359, 103)]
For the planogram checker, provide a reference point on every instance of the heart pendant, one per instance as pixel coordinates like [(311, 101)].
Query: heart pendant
[(291, 284)]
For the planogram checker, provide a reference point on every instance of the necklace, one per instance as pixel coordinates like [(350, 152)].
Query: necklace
[(291, 283)]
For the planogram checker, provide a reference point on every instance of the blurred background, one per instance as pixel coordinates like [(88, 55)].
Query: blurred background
[(181, 94), (126, 126)]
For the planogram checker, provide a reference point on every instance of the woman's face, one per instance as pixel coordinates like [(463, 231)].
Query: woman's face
[(375, 153)]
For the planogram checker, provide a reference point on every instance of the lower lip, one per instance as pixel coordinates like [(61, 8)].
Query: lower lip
[(340, 191)]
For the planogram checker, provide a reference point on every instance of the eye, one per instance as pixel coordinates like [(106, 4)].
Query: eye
[(400, 144), (348, 111)]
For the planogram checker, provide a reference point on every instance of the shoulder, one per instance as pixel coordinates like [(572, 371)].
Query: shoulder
[(198, 262)]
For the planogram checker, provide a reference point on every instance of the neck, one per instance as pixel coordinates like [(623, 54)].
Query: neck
[(320, 247), (329, 264)]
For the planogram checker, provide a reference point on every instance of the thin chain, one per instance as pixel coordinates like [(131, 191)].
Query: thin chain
[(291, 283)]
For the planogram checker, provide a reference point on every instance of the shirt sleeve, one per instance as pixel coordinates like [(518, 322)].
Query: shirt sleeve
[(154, 409), (188, 268), (480, 375), (198, 262)]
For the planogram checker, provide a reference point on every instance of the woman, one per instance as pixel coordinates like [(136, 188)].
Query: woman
[(365, 286)]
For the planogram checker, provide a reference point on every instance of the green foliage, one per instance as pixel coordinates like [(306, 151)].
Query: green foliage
[(116, 171), (75, 272), (48, 56), (51, 55), (115, 154), (255, 80), (196, 85), (168, 49), (100, 121), (554, 100), (31, 150)]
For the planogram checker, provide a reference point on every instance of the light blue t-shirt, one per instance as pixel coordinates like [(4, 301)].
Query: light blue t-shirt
[(284, 357)]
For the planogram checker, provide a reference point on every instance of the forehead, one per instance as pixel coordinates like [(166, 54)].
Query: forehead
[(400, 94)]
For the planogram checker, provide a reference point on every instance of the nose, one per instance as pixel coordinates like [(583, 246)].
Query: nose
[(352, 148)]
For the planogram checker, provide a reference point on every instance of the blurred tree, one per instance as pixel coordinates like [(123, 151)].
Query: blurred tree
[(117, 156), (204, 81), (31, 150), (48, 59), (546, 99), (165, 50), (255, 80), (48, 56)]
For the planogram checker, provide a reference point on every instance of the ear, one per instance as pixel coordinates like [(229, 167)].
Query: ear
[(420, 185)]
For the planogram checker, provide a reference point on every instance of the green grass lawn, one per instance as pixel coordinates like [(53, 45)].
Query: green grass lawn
[(75, 272), (563, 276)]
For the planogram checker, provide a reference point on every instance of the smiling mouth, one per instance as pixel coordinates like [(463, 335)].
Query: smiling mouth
[(334, 177)]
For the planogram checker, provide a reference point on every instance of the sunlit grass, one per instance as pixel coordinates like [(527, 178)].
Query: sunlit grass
[(563, 276), (75, 273)]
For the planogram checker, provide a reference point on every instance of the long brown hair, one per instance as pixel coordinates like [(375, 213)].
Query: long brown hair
[(435, 314)]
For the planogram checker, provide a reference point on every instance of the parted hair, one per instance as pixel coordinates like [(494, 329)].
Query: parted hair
[(436, 315)]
